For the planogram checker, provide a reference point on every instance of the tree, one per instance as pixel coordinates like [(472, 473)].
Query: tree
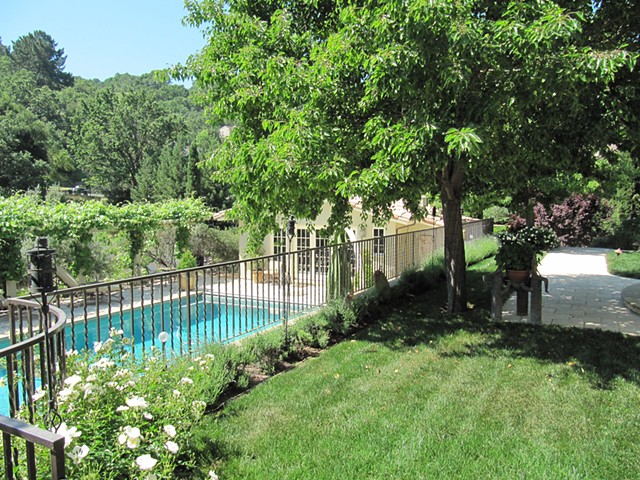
[(26, 142), (392, 100), (4, 50), (115, 134), (38, 53)]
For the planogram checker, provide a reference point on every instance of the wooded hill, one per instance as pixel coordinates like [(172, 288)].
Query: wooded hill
[(129, 137)]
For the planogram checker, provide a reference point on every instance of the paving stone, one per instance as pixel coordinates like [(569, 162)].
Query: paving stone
[(582, 292)]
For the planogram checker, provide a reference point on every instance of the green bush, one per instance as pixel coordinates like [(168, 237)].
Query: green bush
[(187, 260), (499, 214), (313, 330), (225, 245), (264, 349), (122, 416)]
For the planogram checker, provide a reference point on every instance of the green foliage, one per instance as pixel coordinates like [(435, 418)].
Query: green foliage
[(73, 225), (187, 260), (499, 214), (480, 249), (214, 245), (339, 276), (264, 349), (121, 408), (116, 134), (519, 248), (312, 330), (388, 101), (37, 53), (16, 219), (622, 173), (55, 129), (367, 267)]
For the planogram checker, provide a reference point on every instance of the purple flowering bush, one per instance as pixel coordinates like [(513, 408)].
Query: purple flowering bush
[(576, 221)]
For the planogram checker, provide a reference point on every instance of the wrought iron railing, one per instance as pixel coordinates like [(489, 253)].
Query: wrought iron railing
[(32, 365), (32, 436)]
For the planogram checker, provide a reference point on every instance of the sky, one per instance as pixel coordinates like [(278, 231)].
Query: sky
[(105, 37)]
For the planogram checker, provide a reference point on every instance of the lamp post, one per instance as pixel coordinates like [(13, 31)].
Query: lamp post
[(41, 281), (291, 232)]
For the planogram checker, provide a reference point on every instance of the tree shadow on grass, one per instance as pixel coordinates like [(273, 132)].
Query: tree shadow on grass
[(603, 355)]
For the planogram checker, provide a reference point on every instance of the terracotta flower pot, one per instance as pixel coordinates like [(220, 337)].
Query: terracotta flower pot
[(518, 276)]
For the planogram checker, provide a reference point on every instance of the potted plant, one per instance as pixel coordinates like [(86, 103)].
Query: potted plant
[(521, 249), (187, 279)]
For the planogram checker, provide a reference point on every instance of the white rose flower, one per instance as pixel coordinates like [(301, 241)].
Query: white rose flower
[(137, 402), (131, 436), (73, 380), (172, 446), (69, 433), (65, 394), (146, 462), (170, 430), (78, 453), (102, 364)]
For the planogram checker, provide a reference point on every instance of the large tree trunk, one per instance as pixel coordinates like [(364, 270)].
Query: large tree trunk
[(455, 265)]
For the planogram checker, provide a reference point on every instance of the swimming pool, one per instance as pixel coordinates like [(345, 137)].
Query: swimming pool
[(188, 322)]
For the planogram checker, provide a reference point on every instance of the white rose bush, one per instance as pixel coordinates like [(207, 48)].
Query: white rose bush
[(128, 418)]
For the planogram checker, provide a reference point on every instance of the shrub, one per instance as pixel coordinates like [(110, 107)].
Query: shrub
[(122, 416), (264, 349), (314, 331), (516, 223), (499, 214), (576, 221), (225, 247), (212, 245), (187, 260), (517, 249)]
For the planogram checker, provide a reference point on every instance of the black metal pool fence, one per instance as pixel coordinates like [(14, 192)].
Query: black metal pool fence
[(178, 311)]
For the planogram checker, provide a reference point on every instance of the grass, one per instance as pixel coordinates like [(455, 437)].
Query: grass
[(625, 265), (420, 395)]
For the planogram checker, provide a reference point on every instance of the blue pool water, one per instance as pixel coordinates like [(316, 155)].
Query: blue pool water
[(205, 319)]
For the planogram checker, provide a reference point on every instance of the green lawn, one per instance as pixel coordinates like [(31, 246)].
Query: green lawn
[(419, 395), (624, 265)]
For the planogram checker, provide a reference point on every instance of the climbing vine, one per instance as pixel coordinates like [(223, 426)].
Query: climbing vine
[(24, 217)]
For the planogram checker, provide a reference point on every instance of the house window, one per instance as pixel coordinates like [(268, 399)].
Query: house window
[(303, 244), (378, 241), (280, 242)]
